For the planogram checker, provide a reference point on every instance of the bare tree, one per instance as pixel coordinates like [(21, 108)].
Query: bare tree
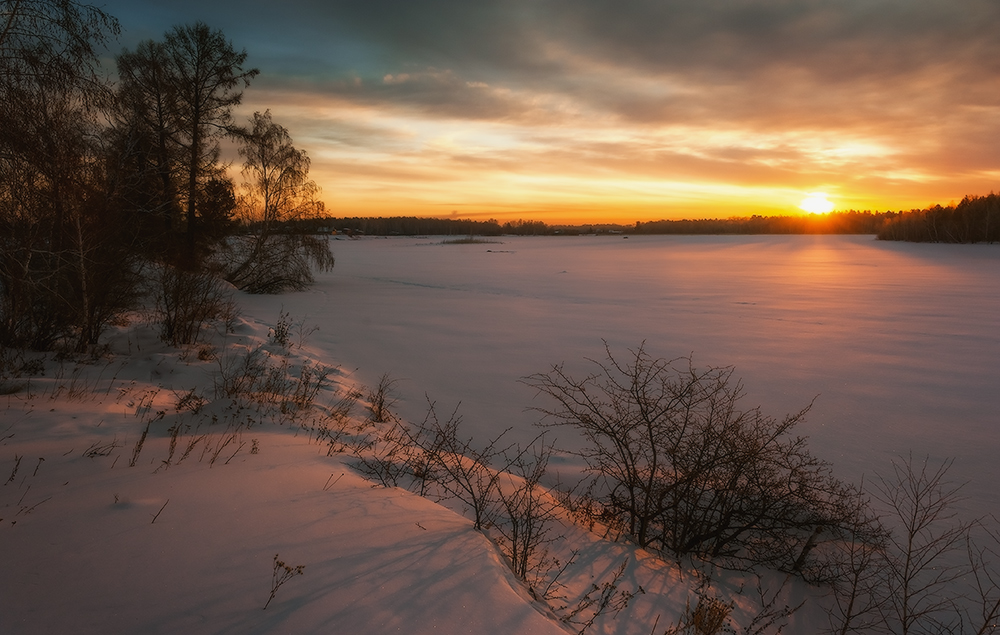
[(52, 40), (65, 266), (917, 568), (861, 563), (271, 254), (985, 579), (923, 577)]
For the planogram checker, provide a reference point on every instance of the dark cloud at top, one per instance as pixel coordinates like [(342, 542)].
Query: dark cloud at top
[(779, 61), (834, 39), (779, 53), (917, 80)]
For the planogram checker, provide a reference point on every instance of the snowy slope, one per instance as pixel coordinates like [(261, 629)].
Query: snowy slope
[(92, 545), (899, 341)]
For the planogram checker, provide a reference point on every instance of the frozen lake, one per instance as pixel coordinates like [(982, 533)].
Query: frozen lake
[(899, 343)]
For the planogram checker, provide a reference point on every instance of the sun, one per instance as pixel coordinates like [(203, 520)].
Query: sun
[(816, 203)]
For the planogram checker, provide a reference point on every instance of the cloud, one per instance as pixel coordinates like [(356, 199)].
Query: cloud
[(883, 96), (643, 60)]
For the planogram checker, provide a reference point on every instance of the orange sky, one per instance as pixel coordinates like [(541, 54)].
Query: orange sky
[(590, 110)]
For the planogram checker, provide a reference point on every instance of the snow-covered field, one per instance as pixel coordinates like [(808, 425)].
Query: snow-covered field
[(899, 342)]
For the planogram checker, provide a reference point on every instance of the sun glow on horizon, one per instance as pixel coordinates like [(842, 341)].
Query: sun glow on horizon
[(384, 160), (816, 203)]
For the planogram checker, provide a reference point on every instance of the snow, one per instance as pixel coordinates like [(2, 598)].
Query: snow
[(897, 342), (92, 545)]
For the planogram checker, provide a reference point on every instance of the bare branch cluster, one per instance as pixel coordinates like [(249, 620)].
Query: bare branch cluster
[(678, 465), (926, 570)]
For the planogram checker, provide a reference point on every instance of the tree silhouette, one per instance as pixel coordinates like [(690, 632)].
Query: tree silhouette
[(203, 73), (60, 242)]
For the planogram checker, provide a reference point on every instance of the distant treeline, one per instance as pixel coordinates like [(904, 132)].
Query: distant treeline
[(975, 219), (407, 226), (834, 223), (413, 226), (851, 222)]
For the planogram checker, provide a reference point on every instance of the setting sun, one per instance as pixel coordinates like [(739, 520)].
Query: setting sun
[(816, 203)]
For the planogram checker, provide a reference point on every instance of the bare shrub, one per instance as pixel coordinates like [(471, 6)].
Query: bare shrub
[(464, 472), (985, 581), (432, 459), (606, 598), (860, 562), (528, 513), (382, 398), (240, 374), (332, 424), (680, 466), (922, 591), (303, 331), (386, 458), (186, 301), (773, 614), (921, 502), (280, 333), (708, 617), (918, 567), (12, 368), (401, 455), (271, 380), (312, 378)]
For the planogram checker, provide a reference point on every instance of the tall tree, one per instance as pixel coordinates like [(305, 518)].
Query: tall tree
[(203, 74), (146, 132), (52, 186)]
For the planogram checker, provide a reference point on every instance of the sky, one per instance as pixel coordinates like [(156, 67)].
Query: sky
[(598, 111)]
